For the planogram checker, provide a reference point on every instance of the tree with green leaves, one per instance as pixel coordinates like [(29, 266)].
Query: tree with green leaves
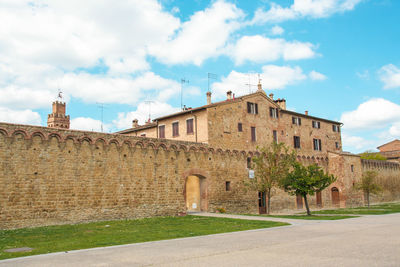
[(271, 166), (372, 155), (368, 184), (305, 181)]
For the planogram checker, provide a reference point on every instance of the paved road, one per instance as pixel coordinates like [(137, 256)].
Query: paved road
[(365, 241)]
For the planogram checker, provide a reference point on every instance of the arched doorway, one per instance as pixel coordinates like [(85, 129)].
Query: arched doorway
[(196, 193), (335, 196)]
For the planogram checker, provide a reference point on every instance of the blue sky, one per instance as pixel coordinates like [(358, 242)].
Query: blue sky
[(338, 59)]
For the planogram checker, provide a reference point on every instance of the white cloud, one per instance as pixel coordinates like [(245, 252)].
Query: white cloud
[(156, 109), (277, 30), (273, 77), (303, 8), (88, 124), (316, 76), (376, 113), (390, 76), (257, 48), (351, 143), (205, 35), (25, 116)]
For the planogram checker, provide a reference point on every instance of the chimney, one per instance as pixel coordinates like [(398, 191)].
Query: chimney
[(281, 103), (271, 96), (135, 123), (306, 112), (229, 95), (208, 98)]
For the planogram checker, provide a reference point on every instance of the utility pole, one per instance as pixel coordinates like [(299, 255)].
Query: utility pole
[(183, 81), (101, 106)]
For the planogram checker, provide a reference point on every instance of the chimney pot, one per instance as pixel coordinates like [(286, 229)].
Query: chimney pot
[(208, 98), (229, 95), (135, 123), (271, 96), (306, 112)]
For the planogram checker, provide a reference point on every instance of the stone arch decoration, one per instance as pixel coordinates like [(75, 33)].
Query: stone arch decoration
[(56, 135), (173, 147), (163, 146), (193, 148), (3, 132), (22, 132), (114, 141), (85, 138), (139, 144), (38, 133)]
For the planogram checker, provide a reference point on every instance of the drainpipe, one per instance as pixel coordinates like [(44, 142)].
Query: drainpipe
[(195, 124), (157, 130)]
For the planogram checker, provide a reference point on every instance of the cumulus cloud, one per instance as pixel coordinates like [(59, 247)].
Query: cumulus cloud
[(376, 113), (156, 109), (89, 124), (205, 35), (259, 49), (316, 76), (351, 142), (25, 116), (277, 30), (303, 9), (273, 77), (390, 76)]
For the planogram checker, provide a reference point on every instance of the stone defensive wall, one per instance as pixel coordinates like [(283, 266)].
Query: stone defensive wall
[(380, 166), (50, 176), (54, 176)]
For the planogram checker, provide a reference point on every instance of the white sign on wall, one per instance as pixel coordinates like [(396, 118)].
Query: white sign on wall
[(194, 206), (251, 174)]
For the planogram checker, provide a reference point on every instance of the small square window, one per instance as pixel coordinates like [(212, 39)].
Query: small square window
[(227, 186), (296, 120), (189, 126), (175, 129), (352, 168)]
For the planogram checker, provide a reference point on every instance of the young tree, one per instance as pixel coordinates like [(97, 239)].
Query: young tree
[(368, 184), (272, 165), (306, 181)]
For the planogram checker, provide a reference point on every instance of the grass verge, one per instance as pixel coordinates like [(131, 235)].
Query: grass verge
[(108, 233), (372, 210)]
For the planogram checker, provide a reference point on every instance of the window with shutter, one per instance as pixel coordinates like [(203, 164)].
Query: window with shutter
[(189, 126), (253, 134), (175, 129), (275, 136), (161, 131), (296, 141)]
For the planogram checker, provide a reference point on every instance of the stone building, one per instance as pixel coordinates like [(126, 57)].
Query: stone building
[(244, 123), (58, 118), (391, 150)]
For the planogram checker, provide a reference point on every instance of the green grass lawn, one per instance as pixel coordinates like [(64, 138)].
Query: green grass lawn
[(109, 233), (372, 210)]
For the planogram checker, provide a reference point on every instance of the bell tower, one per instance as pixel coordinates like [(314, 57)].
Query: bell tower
[(58, 119)]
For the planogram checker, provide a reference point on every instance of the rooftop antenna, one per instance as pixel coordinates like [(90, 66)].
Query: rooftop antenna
[(101, 107), (149, 102), (183, 81), (211, 76), (249, 84)]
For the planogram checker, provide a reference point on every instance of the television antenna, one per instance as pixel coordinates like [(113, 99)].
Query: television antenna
[(149, 102), (213, 77), (183, 81), (249, 84), (101, 107)]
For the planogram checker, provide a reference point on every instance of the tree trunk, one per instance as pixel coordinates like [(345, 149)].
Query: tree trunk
[(269, 200), (368, 198), (306, 202)]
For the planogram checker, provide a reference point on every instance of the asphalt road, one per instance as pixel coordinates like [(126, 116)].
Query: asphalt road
[(364, 241)]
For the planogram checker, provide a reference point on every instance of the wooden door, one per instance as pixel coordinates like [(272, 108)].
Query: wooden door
[(335, 196), (299, 201), (262, 207)]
